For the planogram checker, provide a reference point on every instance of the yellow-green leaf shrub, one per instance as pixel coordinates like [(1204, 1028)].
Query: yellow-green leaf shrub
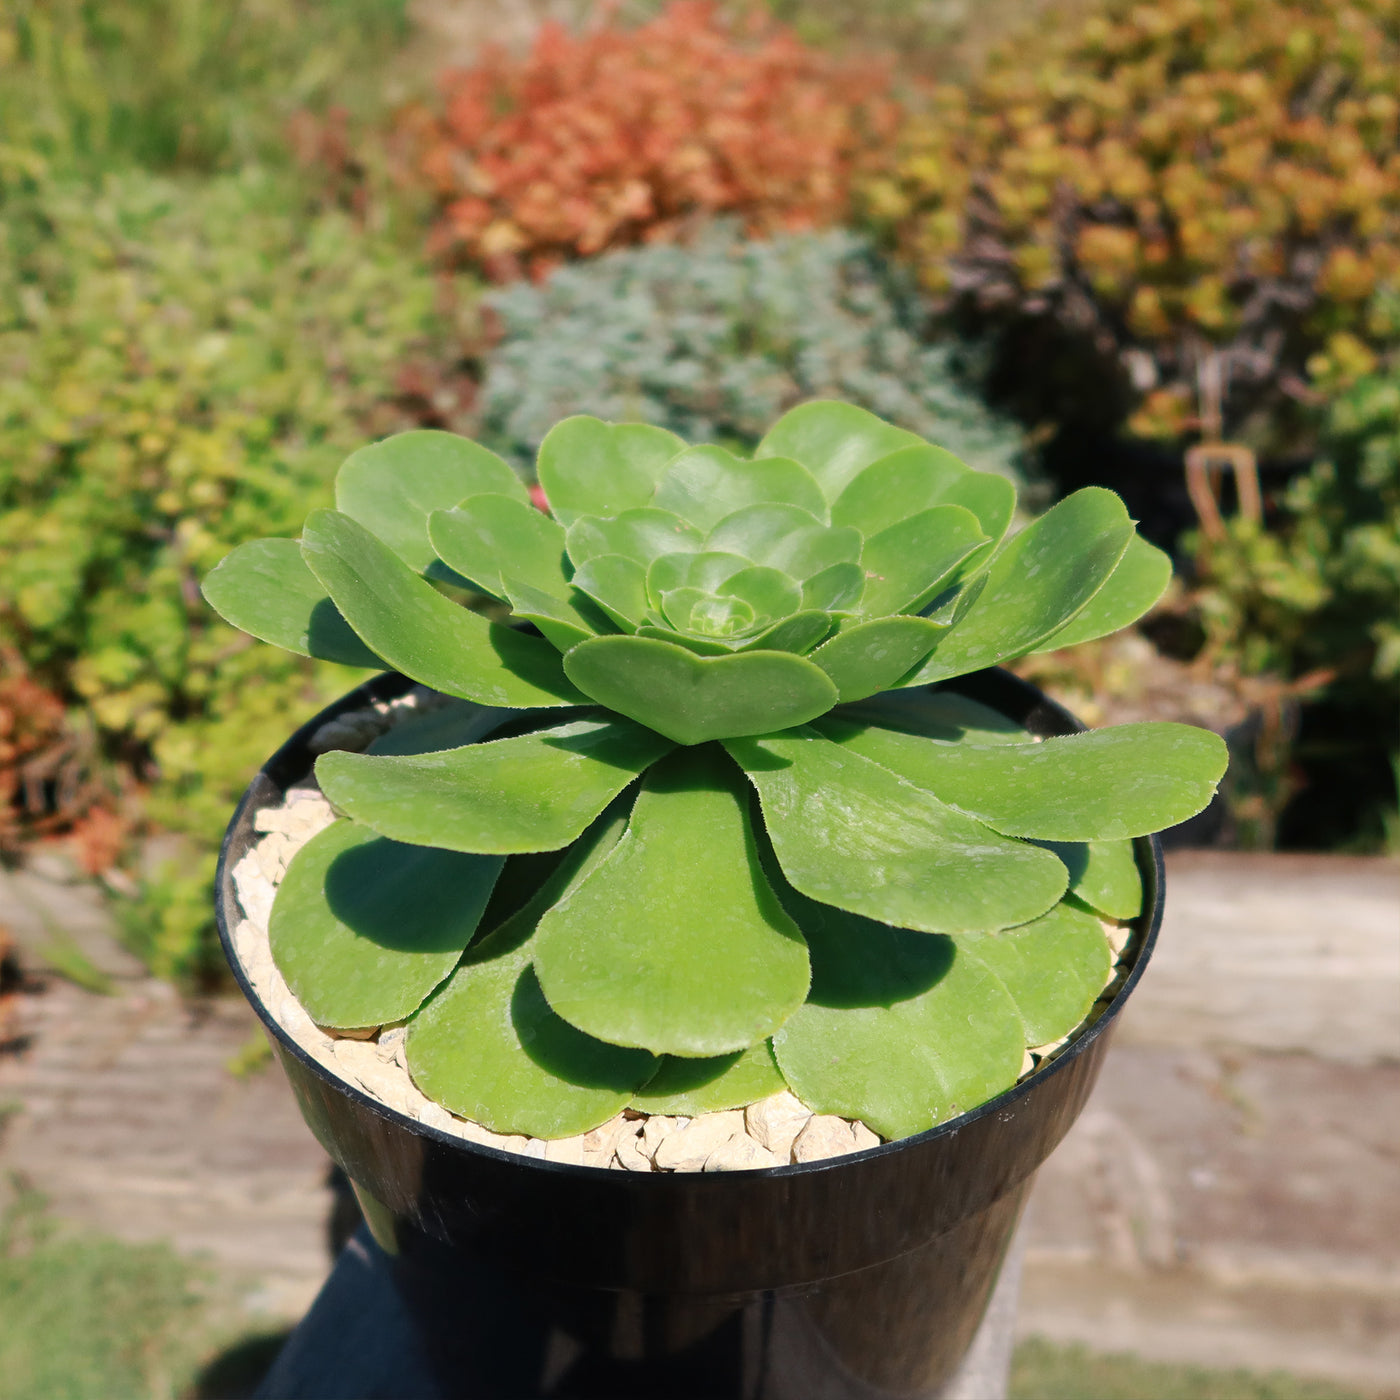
[(1170, 180), (182, 367)]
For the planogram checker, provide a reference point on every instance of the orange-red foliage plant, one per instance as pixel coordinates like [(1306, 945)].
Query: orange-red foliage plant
[(620, 136)]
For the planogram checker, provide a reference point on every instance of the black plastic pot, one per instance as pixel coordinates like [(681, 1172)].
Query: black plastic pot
[(863, 1276)]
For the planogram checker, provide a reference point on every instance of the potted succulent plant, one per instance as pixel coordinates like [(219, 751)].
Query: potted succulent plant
[(716, 810)]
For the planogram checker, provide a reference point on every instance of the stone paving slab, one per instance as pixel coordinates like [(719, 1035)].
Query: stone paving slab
[(132, 1124), (1276, 952), (1231, 1195), (50, 907), (1234, 1210)]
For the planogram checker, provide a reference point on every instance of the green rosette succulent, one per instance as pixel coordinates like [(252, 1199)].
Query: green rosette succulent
[(685, 835)]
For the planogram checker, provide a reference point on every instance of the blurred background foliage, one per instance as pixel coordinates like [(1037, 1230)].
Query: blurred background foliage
[(717, 338), (182, 367), (1316, 598), (1192, 188), (189, 85), (613, 136), (237, 239)]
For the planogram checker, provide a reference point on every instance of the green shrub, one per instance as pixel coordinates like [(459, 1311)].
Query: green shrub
[(1320, 595), (87, 1316), (715, 340), (1166, 187), (182, 367)]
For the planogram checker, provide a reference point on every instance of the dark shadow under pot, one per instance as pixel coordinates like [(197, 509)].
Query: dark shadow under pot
[(861, 1276)]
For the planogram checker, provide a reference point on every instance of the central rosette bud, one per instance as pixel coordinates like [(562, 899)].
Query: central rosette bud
[(707, 614), (709, 597)]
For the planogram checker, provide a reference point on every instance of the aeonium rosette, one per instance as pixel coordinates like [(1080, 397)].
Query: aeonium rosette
[(746, 853)]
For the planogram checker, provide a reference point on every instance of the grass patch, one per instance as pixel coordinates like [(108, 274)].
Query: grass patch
[(1042, 1370), (88, 1318), (188, 85)]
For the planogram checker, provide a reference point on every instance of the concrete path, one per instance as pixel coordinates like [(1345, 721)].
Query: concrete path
[(130, 1122), (125, 1114), (1229, 1196), (1273, 953)]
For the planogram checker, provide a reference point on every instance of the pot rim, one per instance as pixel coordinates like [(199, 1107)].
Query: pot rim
[(390, 685)]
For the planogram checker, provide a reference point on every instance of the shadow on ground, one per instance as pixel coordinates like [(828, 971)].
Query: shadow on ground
[(236, 1373)]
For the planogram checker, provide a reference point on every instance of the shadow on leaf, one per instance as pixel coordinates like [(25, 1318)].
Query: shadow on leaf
[(331, 638), (944, 716), (566, 1052), (612, 741), (756, 758), (394, 894), (857, 961), (1073, 855), (678, 1075)]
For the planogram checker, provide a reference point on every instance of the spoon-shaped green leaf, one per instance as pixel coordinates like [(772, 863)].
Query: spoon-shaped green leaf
[(833, 441), (488, 537), (991, 498), (915, 478), (701, 646), (691, 698), (447, 726), (1107, 784), (676, 942), (421, 633), (264, 587), (705, 484), (900, 1030), (704, 569), (1053, 968), (640, 534), (894, 487), (565, 622), (363, 928), (769, 592), (1036, 583), (1103, 874), (907, 564), (588, 467), (941, 715), (618, 585), (707, 614), (798, 633), (756, 531), (872, 656), (391, 487), (1140, 579), (535, 792), (784, 537), (710, 1085), (488, 1046), (834, 588), (850, 833)]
